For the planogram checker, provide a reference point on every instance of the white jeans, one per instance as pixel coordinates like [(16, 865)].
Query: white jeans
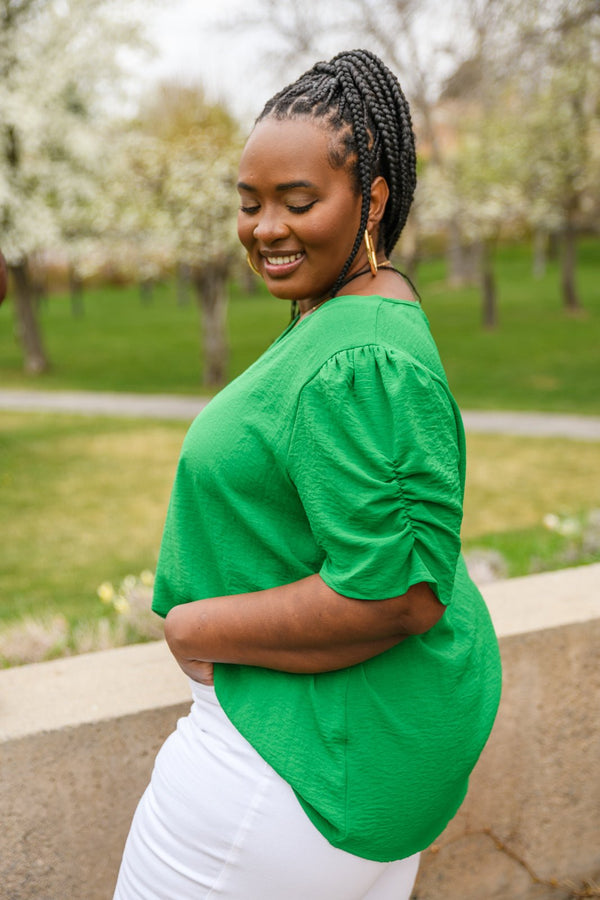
[(217, 822)]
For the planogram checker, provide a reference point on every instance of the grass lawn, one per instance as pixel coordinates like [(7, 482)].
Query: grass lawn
[(84, 501), (538, 358)]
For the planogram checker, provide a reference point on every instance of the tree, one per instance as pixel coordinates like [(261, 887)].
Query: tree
[(3, 278), (479, 72), (177, 195), (561, 106), (449, 77), (58, 62)]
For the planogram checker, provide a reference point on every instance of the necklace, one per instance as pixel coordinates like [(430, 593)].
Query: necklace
[(313, 309), (346, 281), (365, 271)]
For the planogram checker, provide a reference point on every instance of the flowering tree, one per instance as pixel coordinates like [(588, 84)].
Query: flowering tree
[(505, 99), (426, 44), (479, 190), (58, 61), (175, 191), (3, 277), (560, 126)]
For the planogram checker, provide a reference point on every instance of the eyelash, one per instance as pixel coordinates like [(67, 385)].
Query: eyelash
[(297, 210)]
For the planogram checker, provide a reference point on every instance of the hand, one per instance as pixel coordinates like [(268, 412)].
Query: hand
[(197, 669)]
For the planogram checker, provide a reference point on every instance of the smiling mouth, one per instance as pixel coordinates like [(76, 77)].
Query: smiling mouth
[(283, 260)]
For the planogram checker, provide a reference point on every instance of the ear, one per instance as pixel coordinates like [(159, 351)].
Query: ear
[(379, 197)]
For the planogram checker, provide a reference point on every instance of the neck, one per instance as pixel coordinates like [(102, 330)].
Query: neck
[(306, 307), (365, 271)]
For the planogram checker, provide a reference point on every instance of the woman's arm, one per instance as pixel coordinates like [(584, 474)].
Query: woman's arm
[(301, 627)]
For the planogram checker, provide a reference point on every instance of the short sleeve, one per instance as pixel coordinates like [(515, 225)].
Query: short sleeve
[(377, 459)]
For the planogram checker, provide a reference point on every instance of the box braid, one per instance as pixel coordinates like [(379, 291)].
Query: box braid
[(360, 100)]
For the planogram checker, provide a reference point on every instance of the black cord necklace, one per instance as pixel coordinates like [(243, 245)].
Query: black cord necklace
[(365, 272), (391, 268), (346, 281)]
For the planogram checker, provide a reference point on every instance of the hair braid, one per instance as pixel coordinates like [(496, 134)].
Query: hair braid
[(361, 102), (352, 97)]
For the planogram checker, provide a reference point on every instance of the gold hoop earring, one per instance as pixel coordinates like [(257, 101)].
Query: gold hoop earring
[(252, 266), (371, 255)]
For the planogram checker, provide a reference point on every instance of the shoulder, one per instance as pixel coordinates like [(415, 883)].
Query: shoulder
[(376, 380), (351, 343), (353, 321), (371, 337)]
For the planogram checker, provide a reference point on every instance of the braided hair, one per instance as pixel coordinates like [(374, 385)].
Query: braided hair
[(360, 100)]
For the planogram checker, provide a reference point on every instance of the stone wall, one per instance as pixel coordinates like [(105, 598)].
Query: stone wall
[(78, 737)]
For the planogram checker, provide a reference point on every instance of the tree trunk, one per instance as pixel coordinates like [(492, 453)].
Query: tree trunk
[(3, 278), (211, 288), (540, 253), (488, 287), (76, 293), (570, 296), (147, 291), (34, 356), (553, 246), (459, 258), (182, 284)]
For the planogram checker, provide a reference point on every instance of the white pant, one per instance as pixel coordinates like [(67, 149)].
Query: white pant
[(217, 822)]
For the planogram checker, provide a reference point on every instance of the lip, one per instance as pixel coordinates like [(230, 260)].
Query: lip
[(280, 270)]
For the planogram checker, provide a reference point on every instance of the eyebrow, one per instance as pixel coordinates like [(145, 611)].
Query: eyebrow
[(285, 186)]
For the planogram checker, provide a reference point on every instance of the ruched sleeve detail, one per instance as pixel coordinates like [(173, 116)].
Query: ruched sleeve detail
[(376, 456)]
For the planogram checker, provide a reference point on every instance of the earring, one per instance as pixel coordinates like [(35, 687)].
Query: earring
[(252, 266), (371, 255)]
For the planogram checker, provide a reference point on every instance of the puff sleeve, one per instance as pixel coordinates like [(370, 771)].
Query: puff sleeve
[(377, 457)]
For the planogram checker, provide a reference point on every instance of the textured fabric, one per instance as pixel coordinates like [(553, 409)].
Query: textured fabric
[(217, 821), (341, 451)]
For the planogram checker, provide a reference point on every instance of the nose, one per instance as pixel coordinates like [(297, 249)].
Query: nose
[(270, 225)]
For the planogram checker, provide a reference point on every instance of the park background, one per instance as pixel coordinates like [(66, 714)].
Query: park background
[(117, 219)]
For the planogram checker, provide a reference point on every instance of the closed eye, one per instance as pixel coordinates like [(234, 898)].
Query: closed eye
[(298, 210), (250, 210)]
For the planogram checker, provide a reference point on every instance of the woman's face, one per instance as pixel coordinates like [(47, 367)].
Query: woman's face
[(298, 215)]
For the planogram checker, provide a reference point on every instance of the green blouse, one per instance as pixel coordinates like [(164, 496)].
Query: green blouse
[(341, 451)]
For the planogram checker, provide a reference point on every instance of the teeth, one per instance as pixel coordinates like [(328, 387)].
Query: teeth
[(282, 260)]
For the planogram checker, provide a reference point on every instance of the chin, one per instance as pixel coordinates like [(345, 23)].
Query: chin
[(280, 292), (283, 291)]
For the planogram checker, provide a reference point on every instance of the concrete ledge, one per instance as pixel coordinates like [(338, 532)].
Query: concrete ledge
[(78, 737), (532, 811), (549, 600), (94, 687), (68, 784)]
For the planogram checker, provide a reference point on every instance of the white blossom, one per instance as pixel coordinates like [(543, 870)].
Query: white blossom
[(58, 60)]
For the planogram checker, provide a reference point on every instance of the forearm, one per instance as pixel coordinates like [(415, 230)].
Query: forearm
[(300, 627)]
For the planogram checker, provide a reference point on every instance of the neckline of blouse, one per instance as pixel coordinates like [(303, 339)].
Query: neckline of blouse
[(298, 320)]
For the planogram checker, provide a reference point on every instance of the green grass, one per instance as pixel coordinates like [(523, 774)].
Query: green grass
[(538, 358), (122, 344), (530, 550), (84, 501), (514, 482)]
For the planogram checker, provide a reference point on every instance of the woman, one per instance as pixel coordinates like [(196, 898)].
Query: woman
[(311, 556)]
